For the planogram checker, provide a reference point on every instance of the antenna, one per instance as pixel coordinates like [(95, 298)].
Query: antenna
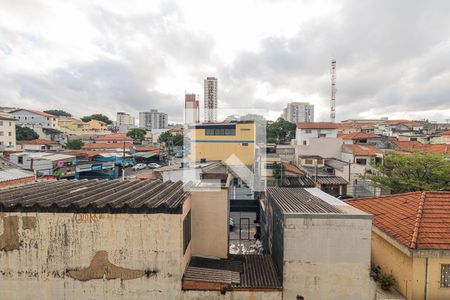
[(333, 92)]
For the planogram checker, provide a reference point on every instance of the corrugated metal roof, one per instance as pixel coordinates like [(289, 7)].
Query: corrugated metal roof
[(298, 181), (332, 180), (239, 271), (13, 174), (298, 200), (109, 196)]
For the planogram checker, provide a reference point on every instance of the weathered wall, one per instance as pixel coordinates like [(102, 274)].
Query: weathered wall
[(210, 222), (395, 262), (232, 295), (327, 258), (434, 278), (90, 256)]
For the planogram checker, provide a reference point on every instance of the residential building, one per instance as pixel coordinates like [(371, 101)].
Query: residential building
[(114, 138), (324, 147), (299, 112), (210, 98), (7, 132), (230, 143), (38, 145), (286, 153), (320, 245), (359, 138), (191, 109), (411, 241), (361, 154), (11, 175), (125, 119), (306, 131), (45, 164), (441, 138), (153, 119), (72, 125), (25, 117), (97, 126)]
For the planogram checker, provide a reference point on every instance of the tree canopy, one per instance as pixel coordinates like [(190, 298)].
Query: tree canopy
[(418, 171), (25, 134), (58, 112), (167, 136), (98, 117), (137, 133), (75, 144), (280, 131)]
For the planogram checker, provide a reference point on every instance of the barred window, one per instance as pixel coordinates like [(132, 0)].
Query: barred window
[(186, 231), (445, 276)]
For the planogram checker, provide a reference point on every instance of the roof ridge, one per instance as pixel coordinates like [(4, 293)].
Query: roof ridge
[(415, 234)]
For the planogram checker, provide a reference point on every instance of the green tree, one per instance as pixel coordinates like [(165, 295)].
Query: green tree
[(418, 171), (167, 136), (278, 173), (137, 134), (98, 117), (58, 112), (75, 144), (280, 131), (25, 134)]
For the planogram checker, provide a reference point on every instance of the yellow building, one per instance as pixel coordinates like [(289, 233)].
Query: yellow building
[(230, 143), (96, 125), (72, 125), (411, 241)]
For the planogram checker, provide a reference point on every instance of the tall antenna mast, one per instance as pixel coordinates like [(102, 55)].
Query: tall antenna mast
[(333, 92)]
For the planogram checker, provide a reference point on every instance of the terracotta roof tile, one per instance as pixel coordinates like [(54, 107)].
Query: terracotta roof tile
[(436, 148), (406, 145), (38, 142), (419, 220), (293, 169), (357, 136), (362, 150), (317, 125)]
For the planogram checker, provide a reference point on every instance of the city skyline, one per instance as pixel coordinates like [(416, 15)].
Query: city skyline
[(78, 53)]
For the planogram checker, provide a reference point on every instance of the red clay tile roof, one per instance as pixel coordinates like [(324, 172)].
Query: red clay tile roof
[(37, 112), (147, 149), (406, 145), (362, 150), (357, 136), (293, 169), (317, 125), (419, 220), (436, 148), (107, 145), (445, 132), (38, 142), (114, 137)]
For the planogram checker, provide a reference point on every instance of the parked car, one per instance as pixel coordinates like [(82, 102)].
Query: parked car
[(139, 167), (343, 197), (179, 154), (153, 166)]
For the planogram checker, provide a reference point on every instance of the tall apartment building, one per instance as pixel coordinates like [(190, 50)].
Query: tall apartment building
[(210, 88), (7, 132), (153, 119), (191, 109), (299, 112), (124, 119)]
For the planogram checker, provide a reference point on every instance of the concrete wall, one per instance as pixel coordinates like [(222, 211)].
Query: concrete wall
[(306, 135), (210, 222), (232, 295), (327, 258), (90, 256), (324, 147)]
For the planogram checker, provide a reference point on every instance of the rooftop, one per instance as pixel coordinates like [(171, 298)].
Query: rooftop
[(331, 180), (292, 169), (38, 142), (238, 271), (437, 148), (10, 172), (114, 137), (102, 196), (406, 145), (37, 112), (362, 150), (357, 136), (317, 125), (419, 220), (298, 181)]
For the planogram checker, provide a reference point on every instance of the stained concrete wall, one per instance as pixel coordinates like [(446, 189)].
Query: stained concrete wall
[(90, 256), (232, 295), (210, 222), (327, 258)]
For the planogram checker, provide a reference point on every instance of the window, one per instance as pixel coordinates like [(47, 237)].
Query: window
[(20, 160), (220, 131), (308, 162), (1, 133), (308, 131), (268, 166), (10, 133), (304, 143), (1, 123), (445, 276), (10, 123), (361, 161), (186, 231), (244, 144), (319, 161)]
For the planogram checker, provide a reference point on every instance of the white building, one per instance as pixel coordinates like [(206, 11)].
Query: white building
[(211, 90), (299, 112), (7, 132), (25, 117), (124, 122), (306, 131), (153, 119)]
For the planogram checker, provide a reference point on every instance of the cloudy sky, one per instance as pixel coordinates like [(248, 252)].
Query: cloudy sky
[(393, 57)]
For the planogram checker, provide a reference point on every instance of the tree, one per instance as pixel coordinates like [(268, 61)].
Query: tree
[(58, 112), (137, 134), (280, 131), (75, 144), (418, 171), (165, 137), (98, 117), (25, 134)]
